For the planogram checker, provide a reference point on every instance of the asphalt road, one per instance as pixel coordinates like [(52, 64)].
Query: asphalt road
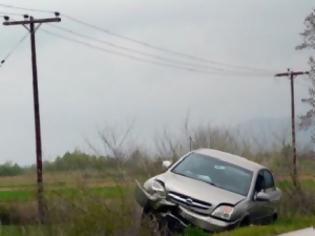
[(304, 232)]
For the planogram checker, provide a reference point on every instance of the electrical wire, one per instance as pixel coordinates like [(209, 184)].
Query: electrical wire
[(109, 51), (2, 14), (170, 51), (10, 53), (124, 48), (25, 9), (116, 52), (132, 57), (142, 43)]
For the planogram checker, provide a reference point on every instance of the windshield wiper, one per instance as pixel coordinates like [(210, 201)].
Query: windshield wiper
[(208, 182), (211, 183), (189, 176)]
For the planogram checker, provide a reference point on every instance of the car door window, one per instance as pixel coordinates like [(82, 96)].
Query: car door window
[(260, 183), (264, 181), (269, 182)]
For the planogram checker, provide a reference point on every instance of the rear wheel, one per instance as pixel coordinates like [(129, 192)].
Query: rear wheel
[(271, 219), (274, 218)]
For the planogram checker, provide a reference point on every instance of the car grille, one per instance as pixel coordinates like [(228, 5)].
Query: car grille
[(188, 202)]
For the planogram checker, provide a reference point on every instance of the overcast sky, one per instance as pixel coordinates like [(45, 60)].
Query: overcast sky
[(83, 90)]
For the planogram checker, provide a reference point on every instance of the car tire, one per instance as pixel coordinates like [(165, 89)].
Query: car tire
[(151, 223), (274, 218)]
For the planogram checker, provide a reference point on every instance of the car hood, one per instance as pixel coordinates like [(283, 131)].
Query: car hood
[(198, 189)]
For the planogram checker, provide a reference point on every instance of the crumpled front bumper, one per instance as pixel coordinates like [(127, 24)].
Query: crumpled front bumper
[(181, 215), (207, 222)]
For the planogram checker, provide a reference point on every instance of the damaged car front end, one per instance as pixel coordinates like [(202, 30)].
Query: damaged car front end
[(208, 189)]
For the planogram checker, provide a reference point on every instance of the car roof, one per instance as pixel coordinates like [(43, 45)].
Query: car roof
[(231, 158)]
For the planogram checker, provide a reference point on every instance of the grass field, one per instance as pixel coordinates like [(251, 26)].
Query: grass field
[(279, 227), (82, 198)]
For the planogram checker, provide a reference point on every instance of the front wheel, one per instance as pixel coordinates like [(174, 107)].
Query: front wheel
[(153, 224)]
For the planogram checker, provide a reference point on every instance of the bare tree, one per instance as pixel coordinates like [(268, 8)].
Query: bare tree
[(114, 140), (168, 146)]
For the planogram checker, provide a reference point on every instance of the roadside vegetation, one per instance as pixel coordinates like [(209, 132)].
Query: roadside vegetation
[(93, 194)]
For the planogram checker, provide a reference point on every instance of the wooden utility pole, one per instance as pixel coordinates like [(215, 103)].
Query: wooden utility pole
[(29, 24), (292, 75)]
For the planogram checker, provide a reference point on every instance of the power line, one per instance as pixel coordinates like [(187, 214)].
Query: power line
[(143, 43), (2, 14), (131, 49), (136, 58), (155, 56), (120, 53), (25, 9), (10, 53), (171, 51), (169, 62), (161, 60)]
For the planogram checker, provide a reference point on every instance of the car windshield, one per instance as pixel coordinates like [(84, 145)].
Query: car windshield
[(215, 172)]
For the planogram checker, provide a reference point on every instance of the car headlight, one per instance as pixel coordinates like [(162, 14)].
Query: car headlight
[(223, 212), (158, 188)]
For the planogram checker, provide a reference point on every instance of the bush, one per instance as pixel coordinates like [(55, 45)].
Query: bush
[(10, 169)]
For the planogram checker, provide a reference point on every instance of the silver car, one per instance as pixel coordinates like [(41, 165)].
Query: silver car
[(212, 190)]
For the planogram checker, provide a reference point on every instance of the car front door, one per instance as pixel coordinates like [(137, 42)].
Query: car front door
[(262, 210), (257, 208), (272, 192)]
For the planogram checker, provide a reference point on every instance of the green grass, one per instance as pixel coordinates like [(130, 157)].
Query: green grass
[(307, 167), (92, 190), (11, 230), (281, 226), (106, 192), (28, 195), (23, 230), (16, 196)]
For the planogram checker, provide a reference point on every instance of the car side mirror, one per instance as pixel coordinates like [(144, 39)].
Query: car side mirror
[(262, 197), (166, 164)]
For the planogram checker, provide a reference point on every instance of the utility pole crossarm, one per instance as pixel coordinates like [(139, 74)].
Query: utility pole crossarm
[(292, 73), (25, 22)]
